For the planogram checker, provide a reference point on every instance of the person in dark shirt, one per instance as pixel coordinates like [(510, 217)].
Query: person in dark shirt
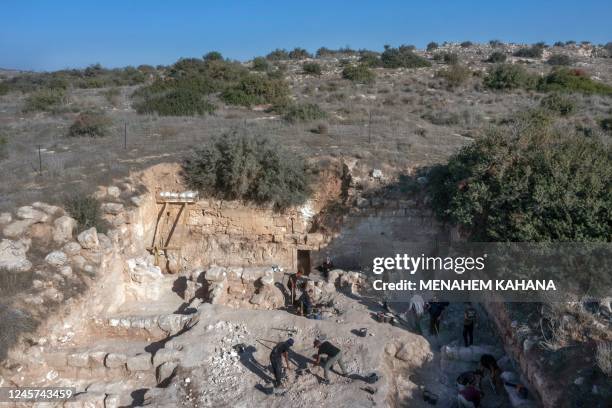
[(326, 266), (435, 310), (488, 364), (305, 302), (279, 351), (333, 353), (469, 321), (294, 280)]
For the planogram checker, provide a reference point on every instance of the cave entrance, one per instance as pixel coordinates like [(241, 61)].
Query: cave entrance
[(303, 261)]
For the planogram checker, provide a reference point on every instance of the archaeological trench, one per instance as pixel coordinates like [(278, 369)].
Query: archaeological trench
[(149, 312)]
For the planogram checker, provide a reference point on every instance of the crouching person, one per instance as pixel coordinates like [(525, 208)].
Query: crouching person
[(334, 355)]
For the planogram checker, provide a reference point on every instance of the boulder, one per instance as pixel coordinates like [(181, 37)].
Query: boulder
[(267, 280), (115, 360), (89, 238), (253, 274), (166, 355), (165, 371), (41, 232), (13, 256), (215, 274), (63, 228), (141, 271), (112, 208), (17, 228), (48, 208), (72, 248), (56, 258), (66, 271), (113, 191), (105, 242), (416, 353), (78, 360), (5, 218), (30, 213), (139, 362)]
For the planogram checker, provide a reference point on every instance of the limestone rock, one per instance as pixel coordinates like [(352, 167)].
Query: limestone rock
[(13, 256), (66, 271), (86, 400), (78, 360), (215, 274), (56, 258), (112, 401), (112, 208), (5, 218), (172, 323), (30, 213), (139, 362), (48, 208), (113, 191), (415, 352), (105, 242), (165, 371), (89, 238), (63, 228), (267, 280), (72, 248), (17, 228), (141, 271), (115, 360), (254, 273), (166, 355)]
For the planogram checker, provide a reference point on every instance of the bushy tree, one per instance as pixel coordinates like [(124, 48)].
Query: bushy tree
[(530, 185), (260, 64), (304, 113), (249, 168), (572, 80), (278, 54), (299, 53), (92, 124), (402, 57), (497, 57), (535, 51), (455, 75), (509, 76), (559, 59), (312, 68), (213, 56), (359, 74), (432, 46)]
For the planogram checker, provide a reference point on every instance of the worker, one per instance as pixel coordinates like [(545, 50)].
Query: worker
[(305, 303), (279, 351), (326, 266), (472, 377), (469, 321), (414, 313), (488, 364), (334, 354), (435, 309), (294, 281)]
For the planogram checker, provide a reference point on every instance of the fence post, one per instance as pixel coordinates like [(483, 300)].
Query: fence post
[(124, 135), (39, 160)]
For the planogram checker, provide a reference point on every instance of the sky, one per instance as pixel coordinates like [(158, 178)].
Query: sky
[(51, 35)]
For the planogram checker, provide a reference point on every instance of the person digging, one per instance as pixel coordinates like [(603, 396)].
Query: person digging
[(334, 355), (278, 352)]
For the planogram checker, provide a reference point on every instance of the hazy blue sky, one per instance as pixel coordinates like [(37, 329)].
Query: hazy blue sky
[(49, 35)]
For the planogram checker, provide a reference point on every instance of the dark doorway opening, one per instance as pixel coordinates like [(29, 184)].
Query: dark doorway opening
[(303, 261)]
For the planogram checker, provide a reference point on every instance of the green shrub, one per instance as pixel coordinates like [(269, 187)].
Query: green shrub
[(370, 59), (278, 55), (90, 124), (455, 75), (213, 56), (606, 124), (3, 147), (402, 57), (256, 90), (535, 51), (559, 44), (260, 64), (304, 113), (572, 80), (312, 68), (527, 187), (509, 76), (559, 104), (4, 88), (466, 44), (45, 100), (253, 169), (495, 43), (343, 51), (180, 101), (112, 96), (432, 46), (559, 59), (14, 323), (299, 53), (497, 57), (359, 74), (449, 58), (86, 211)]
